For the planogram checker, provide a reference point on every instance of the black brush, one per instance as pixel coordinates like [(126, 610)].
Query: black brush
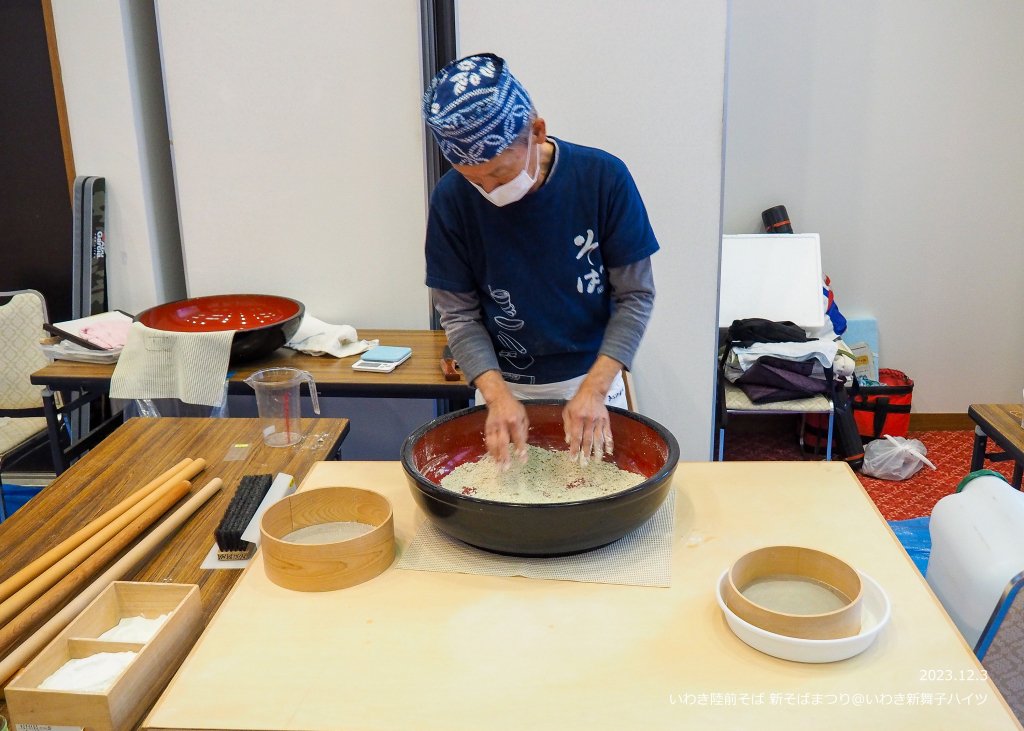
[(247, 498)]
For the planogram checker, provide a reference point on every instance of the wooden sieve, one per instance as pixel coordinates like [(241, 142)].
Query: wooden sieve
[(793, 563), (327, 565)]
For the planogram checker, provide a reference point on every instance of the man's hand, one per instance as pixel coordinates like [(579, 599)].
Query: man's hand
[(506, 420), (588, 430)]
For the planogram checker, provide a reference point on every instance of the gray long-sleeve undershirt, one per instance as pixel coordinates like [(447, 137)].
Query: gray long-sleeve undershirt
[(632, 288)]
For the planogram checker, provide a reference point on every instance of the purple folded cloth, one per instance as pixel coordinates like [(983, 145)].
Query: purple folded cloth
[(772, 379)]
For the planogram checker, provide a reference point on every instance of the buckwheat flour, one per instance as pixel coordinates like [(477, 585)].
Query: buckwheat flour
[(548, 476)]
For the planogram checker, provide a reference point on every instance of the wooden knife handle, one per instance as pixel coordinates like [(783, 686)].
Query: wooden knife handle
[(449, 369)]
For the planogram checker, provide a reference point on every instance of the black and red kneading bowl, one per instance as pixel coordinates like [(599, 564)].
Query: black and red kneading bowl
[(262, 322), (547, 529)]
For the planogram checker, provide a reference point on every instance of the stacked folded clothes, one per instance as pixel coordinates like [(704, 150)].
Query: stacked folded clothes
[(770, 371)]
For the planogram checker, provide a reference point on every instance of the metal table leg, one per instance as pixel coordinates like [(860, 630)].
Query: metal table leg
[(53, 431), (980, 444)]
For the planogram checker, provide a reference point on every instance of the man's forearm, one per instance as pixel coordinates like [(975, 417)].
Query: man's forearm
[(468, 338), (492, 386), (633, 294), (600, 376)]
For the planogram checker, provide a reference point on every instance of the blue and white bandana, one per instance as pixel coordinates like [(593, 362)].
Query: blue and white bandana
[(476, 108)]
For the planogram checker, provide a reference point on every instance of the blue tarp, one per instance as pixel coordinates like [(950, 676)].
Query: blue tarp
[(916, 539), (17, 495)]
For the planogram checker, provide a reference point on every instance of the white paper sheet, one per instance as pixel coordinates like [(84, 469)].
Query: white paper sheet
[(282, 486)]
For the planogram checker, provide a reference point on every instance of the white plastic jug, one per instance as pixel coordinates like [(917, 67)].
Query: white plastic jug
[(977, 551), (278, 400)]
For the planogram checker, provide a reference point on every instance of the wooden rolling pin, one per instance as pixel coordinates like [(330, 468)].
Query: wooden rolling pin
[(20, 655), (39, 609), (184, 470), (33, 589)]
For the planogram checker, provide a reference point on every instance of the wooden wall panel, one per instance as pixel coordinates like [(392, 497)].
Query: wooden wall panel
[(35, 168)]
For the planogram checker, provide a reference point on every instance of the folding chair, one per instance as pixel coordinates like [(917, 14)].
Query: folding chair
[(22, 420), (776, 277), (737, 402)]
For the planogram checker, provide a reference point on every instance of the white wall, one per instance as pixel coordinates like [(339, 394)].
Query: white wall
[(298, 152), (299, 167), (894, 129), (114, 100), (643, 80)]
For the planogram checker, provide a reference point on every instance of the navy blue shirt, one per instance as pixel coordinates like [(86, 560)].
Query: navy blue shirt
[(539, 265)]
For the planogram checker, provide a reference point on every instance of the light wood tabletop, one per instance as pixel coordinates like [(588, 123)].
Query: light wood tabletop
[(139, 451), (461, 651)]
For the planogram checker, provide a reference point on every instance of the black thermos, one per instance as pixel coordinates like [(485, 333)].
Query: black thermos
[(776, 220)]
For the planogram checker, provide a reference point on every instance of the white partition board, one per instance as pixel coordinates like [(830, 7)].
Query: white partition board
[(774, 276), (111, 79), (298, 152)]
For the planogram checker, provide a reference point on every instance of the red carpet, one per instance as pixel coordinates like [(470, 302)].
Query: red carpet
[(911, 498)]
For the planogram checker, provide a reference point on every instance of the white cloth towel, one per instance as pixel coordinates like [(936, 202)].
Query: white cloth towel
[(316, 337), (823, 351), (191, 367), (843, 364)]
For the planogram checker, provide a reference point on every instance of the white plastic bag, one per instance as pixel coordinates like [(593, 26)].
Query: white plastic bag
[(894, 458)]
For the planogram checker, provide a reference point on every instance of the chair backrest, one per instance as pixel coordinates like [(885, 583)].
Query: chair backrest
[(21, 329), (1004, 658), (627, 381)]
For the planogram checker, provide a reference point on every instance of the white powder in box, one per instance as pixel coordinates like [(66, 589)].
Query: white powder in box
[(548, 476), (134, 629), (95, 673)]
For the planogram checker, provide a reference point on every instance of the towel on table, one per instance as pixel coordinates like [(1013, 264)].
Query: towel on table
[(316, 337), (110, 334), (191, 367)]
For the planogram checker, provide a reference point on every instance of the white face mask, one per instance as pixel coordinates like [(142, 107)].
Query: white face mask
[(516, 188)]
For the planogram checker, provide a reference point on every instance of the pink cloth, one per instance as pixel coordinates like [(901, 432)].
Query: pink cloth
[(109, 335)]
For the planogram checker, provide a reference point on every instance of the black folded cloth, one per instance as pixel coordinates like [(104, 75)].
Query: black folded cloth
[(758, 330)]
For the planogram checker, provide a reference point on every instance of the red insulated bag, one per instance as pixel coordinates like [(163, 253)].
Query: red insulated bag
[(884, 409), (846, 443)]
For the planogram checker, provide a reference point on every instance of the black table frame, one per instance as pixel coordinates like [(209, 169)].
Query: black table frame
[(77, 392), (1010, 450)]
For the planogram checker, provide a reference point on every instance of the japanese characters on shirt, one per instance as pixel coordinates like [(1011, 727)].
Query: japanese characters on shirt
[(594, 283)]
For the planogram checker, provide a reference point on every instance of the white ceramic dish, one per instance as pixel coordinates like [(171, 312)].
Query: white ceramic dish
[(875, 615)]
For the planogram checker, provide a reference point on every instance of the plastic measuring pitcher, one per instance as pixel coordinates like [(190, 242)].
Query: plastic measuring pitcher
[(278, 400)]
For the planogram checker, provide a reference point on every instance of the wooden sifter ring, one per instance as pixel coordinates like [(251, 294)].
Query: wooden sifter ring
[(333, 564), (803, 564)]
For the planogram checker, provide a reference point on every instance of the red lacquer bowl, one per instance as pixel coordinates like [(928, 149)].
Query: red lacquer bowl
[(263, 322), (542, 529)]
